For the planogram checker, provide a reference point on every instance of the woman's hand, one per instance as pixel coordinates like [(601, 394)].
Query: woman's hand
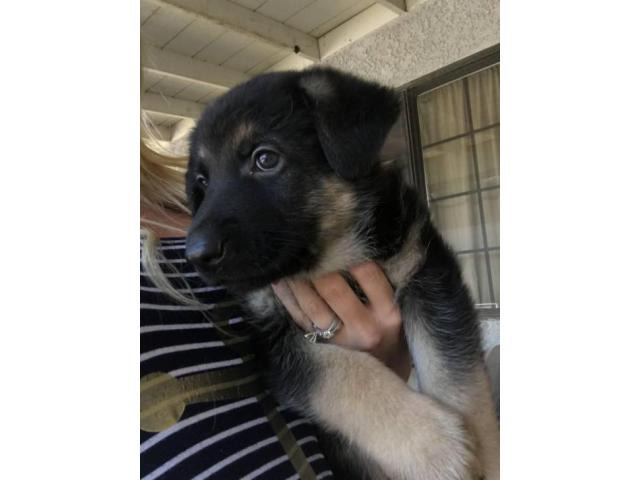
[(375, 327)]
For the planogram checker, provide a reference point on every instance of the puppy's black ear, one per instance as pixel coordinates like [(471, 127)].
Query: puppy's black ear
[(352, 118)]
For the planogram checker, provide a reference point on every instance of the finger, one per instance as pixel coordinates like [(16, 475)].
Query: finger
[(313, 306), (286, 297), (375, 285), (337, 293), (361, 331)]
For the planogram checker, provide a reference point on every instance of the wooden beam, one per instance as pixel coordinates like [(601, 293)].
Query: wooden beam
[(357, 27), (290, 62), (411, 4), (172, 107), (179, 66), (248, 22), (396, 6)]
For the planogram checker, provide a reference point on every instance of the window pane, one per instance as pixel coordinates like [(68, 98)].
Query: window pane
[(494, 259), (474, 272), (453, 166), (458, 219), (441, 113), (484, 96), (491, 205), (396, 149), (488, 148), (449, 167)]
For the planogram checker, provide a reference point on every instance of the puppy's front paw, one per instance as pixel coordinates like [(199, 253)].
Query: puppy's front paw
[(435, 445), (451, 456)]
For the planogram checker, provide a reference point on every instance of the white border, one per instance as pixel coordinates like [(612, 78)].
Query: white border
[(569, 246), (69, 340), (69, 352)]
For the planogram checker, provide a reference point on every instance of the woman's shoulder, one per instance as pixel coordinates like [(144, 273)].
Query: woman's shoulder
[(174, 298), (203, 407)]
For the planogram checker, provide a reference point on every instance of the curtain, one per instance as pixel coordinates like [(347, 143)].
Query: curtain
[(460, 135)]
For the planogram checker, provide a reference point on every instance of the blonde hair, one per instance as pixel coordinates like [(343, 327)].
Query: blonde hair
[(162, 173), (162, 190)]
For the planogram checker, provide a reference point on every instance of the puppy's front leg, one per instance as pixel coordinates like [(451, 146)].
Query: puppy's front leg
[(465, 389), (444, 339), (411, 436), (468, 394), (481, 418)]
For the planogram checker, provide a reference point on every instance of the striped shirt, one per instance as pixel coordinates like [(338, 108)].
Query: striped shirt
[(204, 412)]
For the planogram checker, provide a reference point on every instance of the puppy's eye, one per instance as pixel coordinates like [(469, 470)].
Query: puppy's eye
[(202, 180), (266, 159)]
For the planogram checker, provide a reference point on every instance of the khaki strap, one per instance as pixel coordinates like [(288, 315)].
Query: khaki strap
[(289, 443), (163, 398), (293, 450)]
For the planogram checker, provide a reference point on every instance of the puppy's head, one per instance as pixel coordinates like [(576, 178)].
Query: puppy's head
[(273, 170)]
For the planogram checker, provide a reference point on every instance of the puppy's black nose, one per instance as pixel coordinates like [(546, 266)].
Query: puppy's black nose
[(206, 251)]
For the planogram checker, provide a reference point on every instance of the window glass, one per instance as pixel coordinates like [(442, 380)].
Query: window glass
[(488, 150), (491, 205), (484, 97), (395, 149), (474, 272), (458, 219), (450, 167), (494, 258), (445, 111), (460, 141)]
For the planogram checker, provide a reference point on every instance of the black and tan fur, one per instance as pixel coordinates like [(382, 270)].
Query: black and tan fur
[(330, 203)]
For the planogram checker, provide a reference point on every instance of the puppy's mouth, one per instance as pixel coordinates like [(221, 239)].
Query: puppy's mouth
[(240, 279), (253, 264)]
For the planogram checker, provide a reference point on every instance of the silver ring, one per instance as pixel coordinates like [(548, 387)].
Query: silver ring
[(327, 334)]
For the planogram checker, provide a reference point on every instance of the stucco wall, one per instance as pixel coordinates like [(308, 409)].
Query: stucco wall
[(433, 34)]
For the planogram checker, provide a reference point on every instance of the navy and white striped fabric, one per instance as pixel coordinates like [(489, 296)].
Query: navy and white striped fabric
[(221, 439)]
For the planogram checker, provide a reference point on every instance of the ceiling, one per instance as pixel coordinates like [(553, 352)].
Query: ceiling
[(195, 50)]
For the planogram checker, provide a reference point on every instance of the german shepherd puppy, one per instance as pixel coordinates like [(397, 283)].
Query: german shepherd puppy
[(285, 180)]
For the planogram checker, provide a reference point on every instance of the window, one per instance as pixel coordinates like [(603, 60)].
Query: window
[(454, 120)]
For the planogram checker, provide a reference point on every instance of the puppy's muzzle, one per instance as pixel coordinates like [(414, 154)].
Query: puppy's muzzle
[(205, 250)]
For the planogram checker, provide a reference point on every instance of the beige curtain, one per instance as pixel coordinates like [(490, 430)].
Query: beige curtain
[(449, 118)]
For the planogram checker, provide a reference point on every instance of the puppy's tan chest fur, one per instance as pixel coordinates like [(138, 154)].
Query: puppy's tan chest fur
[(346, 252)]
